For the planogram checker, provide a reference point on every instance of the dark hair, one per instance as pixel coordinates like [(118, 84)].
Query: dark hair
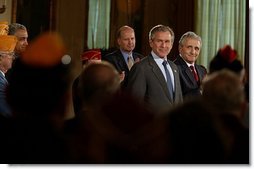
[(219, 63), (161, 28), (226, 58), (34, 91)]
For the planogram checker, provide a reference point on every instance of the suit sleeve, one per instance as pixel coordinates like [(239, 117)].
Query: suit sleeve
[(111, 59), (137, 81), (4, 106)]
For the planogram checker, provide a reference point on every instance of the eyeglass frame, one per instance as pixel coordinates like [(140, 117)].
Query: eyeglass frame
[(7, 53)]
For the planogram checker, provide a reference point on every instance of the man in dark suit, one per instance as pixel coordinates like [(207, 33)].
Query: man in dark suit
[(151, 81), (191, 74), (124, 57), (7, 45)]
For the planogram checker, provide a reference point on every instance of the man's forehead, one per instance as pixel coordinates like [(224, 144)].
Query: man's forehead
[(21, 33)]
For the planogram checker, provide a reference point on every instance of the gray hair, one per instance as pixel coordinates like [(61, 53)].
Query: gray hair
[(14, 27), (190, 35)]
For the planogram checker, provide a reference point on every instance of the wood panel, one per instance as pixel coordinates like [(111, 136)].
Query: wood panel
[(178, 14)]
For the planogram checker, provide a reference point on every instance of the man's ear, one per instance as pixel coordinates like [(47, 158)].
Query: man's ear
[(118, 41), (150, 42)]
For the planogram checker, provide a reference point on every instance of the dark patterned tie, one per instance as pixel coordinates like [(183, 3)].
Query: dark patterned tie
[(169, 82), (194, 73)]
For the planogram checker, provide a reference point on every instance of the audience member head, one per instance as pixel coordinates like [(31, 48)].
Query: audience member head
[(21, 33), (226, 57), (40, 79), (195, 134), (161, 39), (109, 137), (90, 56), (98, 81), (225, 92), (126, 38), (190, 46)]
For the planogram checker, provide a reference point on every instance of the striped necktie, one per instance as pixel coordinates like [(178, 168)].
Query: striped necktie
[(130, 62), (169, 81)]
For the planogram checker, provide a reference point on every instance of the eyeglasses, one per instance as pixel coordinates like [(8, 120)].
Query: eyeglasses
[(10, 54), (7, 54)]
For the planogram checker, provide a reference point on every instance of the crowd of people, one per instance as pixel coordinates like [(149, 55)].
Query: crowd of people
[(128, 108)]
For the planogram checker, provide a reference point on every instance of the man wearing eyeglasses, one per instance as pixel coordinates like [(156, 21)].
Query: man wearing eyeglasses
[(7, 45)]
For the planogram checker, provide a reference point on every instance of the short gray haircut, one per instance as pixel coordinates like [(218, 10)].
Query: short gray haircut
[(190, 35), (14, 27)]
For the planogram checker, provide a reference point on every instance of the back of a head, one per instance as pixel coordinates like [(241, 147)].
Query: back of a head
[(226, 57), (98, 80), (224, 90), (39, 79), (194, 133)]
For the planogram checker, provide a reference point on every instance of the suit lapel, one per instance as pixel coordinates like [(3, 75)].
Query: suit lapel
[(3, 78), (187, 71), (157, 72), (200, 73), (121, 61), (189, 74)]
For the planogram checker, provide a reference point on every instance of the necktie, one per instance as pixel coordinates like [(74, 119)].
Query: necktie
[(194, 72), (169, 82), (130, 62)]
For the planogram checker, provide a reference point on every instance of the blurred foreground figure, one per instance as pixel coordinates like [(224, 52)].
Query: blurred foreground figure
[(112, 126), (226, 58), (196, 134), (88, 57), (224, 92), (37, 93)]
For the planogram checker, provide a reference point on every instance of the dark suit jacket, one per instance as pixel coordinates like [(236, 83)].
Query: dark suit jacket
[(4, 106), (190, 87), (117, 59), (146, 81)]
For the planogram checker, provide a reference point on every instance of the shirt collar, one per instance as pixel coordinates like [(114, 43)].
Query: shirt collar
[(188, 64), (125, 54), (2, 73), (157, 58)]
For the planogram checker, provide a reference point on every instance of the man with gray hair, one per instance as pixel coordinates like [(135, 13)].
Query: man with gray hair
[(20, 31), (191, 74)]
